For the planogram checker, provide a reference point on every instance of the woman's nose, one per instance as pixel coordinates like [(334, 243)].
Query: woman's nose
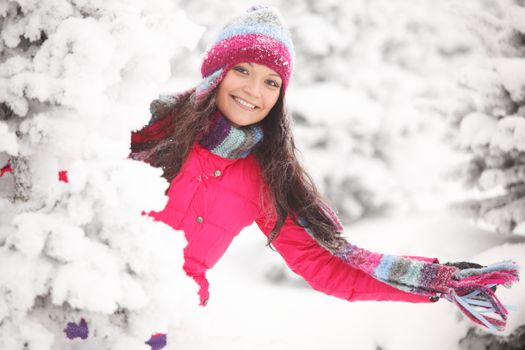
[(252, 87)]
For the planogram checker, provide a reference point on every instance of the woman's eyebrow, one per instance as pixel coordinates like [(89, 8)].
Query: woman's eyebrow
[(277, 75)]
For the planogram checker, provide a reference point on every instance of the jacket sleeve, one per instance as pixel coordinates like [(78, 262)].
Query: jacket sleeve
[(161, 120), (327, 273)]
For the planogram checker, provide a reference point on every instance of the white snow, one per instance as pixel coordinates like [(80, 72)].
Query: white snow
[(477, 129), (512, 75), (8, 142), (517, 17), (510, 134)]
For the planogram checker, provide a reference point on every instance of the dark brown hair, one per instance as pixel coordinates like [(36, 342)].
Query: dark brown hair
[(177, 121)]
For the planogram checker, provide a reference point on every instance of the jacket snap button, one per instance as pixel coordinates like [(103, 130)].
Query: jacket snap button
[(217, 173), (200, 219)]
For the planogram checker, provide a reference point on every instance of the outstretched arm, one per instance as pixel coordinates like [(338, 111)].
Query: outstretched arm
[(354, 273), (328, 273)]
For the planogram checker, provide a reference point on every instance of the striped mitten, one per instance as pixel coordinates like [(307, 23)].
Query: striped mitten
[(470, 288)]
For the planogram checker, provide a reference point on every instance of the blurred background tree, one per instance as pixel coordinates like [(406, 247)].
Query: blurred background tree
[(490, 125)]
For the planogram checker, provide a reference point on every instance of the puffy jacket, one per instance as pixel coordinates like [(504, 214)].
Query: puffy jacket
[(213, 198)]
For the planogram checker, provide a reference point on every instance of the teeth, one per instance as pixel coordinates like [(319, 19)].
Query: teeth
[(244, 103)]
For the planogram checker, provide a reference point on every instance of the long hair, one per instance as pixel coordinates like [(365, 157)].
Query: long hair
[(178, 121)]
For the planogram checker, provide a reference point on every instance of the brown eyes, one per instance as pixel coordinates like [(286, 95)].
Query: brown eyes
[(272, 83), (269, 82), (241, 70)]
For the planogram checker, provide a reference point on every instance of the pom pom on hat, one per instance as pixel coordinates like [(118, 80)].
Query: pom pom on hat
[(259, 36)]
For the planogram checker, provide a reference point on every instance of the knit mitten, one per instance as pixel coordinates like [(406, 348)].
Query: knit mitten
[(469, 288), (462, 265)]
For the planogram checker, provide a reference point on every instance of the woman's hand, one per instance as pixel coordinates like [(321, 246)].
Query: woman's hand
[(462, 265)]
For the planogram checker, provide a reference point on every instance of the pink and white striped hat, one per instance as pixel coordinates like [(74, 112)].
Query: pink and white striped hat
[(259, 36)]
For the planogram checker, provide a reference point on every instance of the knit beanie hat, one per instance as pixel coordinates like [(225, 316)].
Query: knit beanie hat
[(258, 36)]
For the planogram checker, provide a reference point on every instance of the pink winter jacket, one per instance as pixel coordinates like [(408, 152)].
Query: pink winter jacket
[(213, 198)]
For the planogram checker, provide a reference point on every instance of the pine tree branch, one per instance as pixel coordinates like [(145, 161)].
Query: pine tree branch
[(507, 217), (491, 178), (6, 112), (504, 212)]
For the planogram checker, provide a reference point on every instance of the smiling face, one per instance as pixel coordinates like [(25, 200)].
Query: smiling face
[(247, 93)]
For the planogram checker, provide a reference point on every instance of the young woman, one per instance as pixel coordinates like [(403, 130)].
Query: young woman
[(227, 149)]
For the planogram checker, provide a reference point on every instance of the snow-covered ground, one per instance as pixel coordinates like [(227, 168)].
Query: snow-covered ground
[(246, 311)]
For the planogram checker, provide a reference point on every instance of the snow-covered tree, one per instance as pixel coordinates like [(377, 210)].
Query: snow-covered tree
[(488, 124), (491, 125), (372, 83), (75, 78)]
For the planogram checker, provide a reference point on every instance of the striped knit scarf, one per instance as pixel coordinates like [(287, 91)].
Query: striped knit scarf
[(470, 289), (228, 141)]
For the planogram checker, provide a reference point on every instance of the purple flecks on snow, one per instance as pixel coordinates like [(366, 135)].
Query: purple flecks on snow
[(79, 330), (157, 341)]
